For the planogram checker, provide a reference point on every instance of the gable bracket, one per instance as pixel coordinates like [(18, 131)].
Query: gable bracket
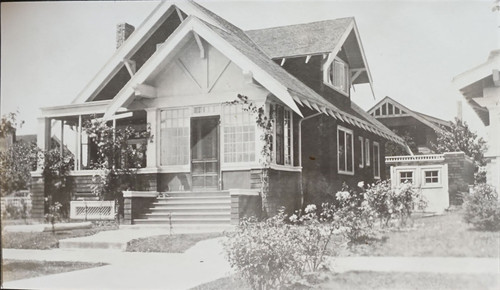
[(283, 61), (179, 13), (200, 45), (356, 72), (308, 58), (145, 91), (131, 66)]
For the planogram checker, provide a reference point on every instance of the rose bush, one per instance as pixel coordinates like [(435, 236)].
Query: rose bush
[(482, 208)]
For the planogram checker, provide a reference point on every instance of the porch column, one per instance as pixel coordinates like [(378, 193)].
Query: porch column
[(62, 139), (43, 137), (152, 145)]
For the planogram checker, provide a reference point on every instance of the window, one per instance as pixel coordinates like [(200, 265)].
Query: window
[(361, 159), (406, 176), (174, 134), (367, 152), (283, 122), (431, 177), (239, 135), (376, 160), (338, 75), (345, 153)]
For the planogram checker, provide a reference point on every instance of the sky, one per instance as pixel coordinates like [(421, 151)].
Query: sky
[(51, 50)]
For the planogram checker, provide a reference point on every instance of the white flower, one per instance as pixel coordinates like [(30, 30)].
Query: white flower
[(293, 218), (310, 208), (361, 184)]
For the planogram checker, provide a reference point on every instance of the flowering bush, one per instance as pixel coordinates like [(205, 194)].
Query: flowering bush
[(281, 249), (390, 204), (482, 208)]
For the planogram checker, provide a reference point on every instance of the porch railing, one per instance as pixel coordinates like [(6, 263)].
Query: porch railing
[(421, 158), (92, 210)]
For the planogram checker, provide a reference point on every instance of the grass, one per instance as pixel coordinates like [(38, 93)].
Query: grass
[(48, 240), (377, 280), (16, 270), (438, 236), (168, 243)]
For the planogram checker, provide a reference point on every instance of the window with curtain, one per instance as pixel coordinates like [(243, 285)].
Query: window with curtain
[(338, 76), (239, 134), (345, 151), (376, 160), (174, 135), (283, 124)]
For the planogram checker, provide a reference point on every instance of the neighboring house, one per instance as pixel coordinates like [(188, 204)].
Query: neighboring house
[(402, 120), (7, 140), (176, 74), (481, 88)]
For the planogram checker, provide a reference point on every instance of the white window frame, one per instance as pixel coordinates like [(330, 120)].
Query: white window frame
[(272, 107), (346, 131), (431, 184), (328, 80), (376, 168), (367, 152), (413, 176), (361, 159), (175, 167), (227, 123)]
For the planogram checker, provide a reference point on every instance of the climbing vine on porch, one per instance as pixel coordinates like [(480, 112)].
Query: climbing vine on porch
[(266, 125), (116, 162)]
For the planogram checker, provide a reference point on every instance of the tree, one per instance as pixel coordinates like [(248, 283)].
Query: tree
[(460, 138), (393, 149), (18, 160), (16, 163)]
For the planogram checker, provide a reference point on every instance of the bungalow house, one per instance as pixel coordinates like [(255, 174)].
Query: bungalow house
[(177, 74), (421, 127), (480, 86)]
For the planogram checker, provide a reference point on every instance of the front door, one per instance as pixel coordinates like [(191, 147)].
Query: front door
[(205, 153)]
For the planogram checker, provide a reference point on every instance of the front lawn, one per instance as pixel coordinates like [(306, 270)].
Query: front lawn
[(377, 280), (168, 243), (438, 236), (48, 240), (16, 270)]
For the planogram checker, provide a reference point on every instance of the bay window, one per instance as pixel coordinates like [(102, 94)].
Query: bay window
[(361, 159), (345, 151)]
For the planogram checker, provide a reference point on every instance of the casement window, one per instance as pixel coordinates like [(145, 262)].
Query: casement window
[(376, 160), (345, 151), (174, 136), (283, 137), (239, 135), (361, 160), (338, 76), (406, 176), (367, 152), (431, 177)]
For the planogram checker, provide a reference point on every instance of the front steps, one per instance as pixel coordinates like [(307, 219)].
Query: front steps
[(192, 210)]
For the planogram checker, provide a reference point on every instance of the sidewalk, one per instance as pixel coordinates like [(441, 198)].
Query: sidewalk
[(202, 263)]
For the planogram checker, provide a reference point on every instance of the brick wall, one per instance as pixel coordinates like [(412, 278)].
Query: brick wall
[(460, 174), (37, 197), (245, 206), (134, 207)]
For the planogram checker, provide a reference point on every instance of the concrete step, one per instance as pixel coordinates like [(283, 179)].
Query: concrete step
[(213, 208), (184, 221), (89, 244), (187, 199), (187, 215), (194, 193), (184, 228)]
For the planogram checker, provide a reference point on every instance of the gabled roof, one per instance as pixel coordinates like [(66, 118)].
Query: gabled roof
[(403, 111), (472, 82), (230, 40), (315, 38), (301, 39)]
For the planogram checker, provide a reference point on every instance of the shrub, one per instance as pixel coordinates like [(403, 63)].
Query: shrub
[(352, 214), (482, 208), (280, 250), (390, 204)]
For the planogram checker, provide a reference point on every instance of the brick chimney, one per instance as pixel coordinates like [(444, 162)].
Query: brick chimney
[(123, 31)]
